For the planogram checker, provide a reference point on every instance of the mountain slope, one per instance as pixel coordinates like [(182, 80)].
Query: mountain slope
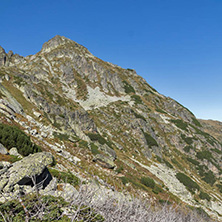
[(122, 130)]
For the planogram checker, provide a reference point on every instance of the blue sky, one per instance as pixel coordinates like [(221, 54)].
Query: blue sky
[(176, 45)]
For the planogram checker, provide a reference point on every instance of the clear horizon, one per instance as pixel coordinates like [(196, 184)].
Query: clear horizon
[(175, 46)]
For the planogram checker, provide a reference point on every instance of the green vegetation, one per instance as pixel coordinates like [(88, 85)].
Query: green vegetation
[(161, 111), (128, 88), (136, 99), (201, 169), (148, 182), (119, 169), (66, 177), (191, 185), (219, 187), (150, 140), (209, 178), (61, 136), (168, 163), (124, 180), (99, 138), (196, 122), (206, 135), (204, 196), (180, 124), (188, 140), (138, 116), (159, 159), (194, 162), (83, 144), (52, 205), (174, 161), (94, 149), (52, 210), (205, 154), (157, 189), (11, 136), (187, 148), (217, 151)]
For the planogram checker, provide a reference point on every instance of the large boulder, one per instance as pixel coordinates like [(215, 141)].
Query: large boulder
[(24, 171), (104, 161)]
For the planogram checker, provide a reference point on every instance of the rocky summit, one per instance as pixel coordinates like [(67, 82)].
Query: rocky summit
[(102, 123)]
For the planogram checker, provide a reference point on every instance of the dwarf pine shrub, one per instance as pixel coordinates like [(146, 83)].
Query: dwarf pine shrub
[(11, 136)]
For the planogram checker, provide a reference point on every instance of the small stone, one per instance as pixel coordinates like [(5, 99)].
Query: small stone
[(7, 77), (37, 114)]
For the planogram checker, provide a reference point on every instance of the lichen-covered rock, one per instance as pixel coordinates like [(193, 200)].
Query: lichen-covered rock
[(3, 150), (108, 151), (13, 151), (21, 172), (104, 161)]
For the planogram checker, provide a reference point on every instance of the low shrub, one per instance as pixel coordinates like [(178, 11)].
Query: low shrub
[(157, 189), (128, 88), (139, 116), (188, 140), (187, 148), (124, 180), (94, 149), (180, 124), (209, 178), (61, 136), (204, 196), (99, 138), (119, 169), (65, 177), (83, 144), (196, 122), (148, 182), (219, 187), (194, 162), (33, 203), (11, 136), (136, 99), (205, 154), (150, 140), (168, 163), (191, 185), (161, 111)]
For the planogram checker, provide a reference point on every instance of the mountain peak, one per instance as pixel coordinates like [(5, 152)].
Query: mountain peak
[(54, 43), (58, 41)]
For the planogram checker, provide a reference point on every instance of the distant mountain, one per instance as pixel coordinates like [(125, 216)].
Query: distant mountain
[(122, 130)]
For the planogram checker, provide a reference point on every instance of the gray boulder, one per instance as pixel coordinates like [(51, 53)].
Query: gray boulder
[(3, 150), (22, 172), (104, 161), (13, 151)]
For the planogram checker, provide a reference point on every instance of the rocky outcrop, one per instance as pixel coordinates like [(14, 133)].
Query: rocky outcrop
[(3, 150), (104, 161), (9, 104), (22, 172), (3, 56)]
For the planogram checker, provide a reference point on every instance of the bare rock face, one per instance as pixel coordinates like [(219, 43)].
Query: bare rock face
[(3, 57), (21, 172)]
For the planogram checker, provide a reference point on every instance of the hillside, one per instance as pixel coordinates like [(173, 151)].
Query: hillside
[(107, 123), (213, 127)]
